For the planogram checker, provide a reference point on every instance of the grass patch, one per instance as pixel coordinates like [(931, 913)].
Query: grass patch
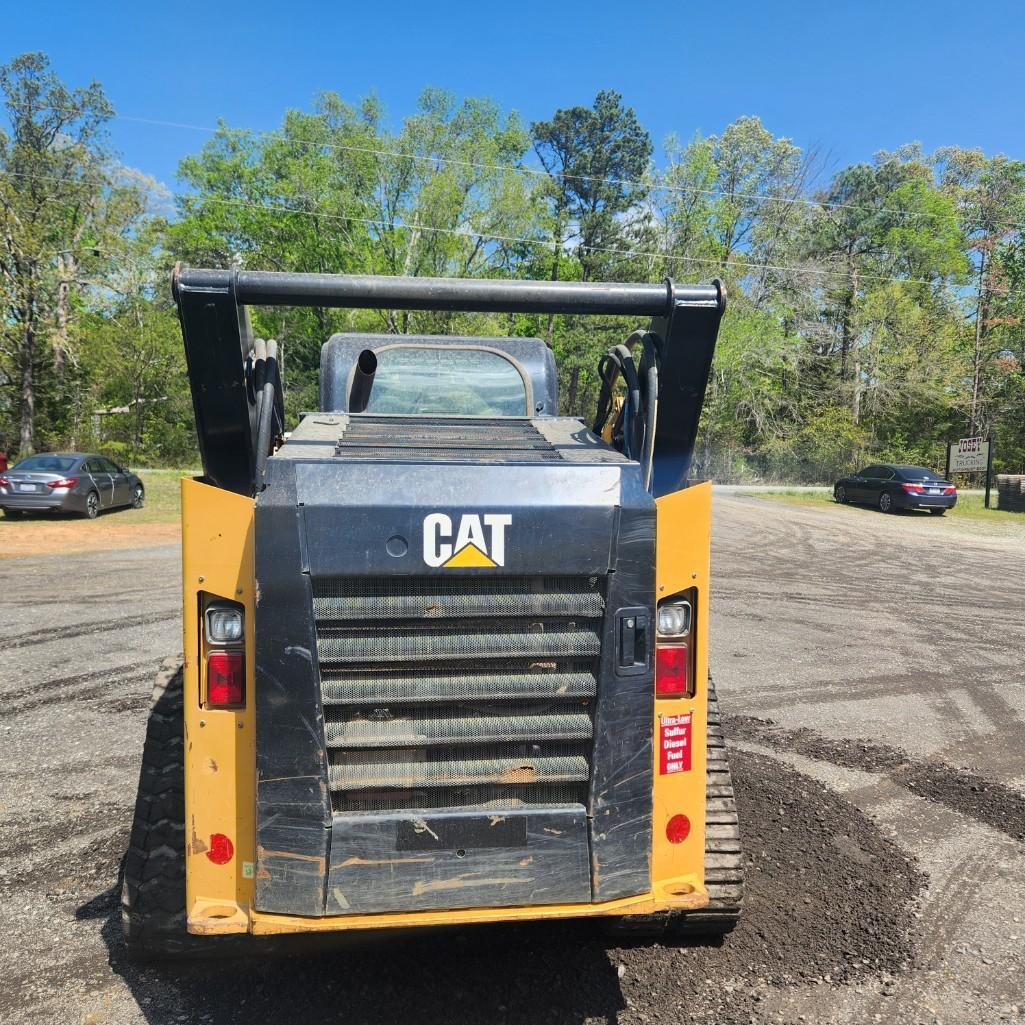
[(163, 497), (46, 533), (969, 507)]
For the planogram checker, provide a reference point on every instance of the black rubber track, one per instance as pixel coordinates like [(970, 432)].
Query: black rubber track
[(724, 858), (153, 888)]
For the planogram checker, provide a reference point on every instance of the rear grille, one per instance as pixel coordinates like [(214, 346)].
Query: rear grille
[(463, 692), (444, 439)]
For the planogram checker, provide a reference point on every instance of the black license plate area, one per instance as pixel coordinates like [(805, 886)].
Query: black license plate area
[(473, 859), (460, 833)]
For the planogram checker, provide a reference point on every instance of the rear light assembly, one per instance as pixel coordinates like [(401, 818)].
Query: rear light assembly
[(914, 489), (671, 676), (224, 647), (225, 679), (4, 482), (64, 482), (950, 490), (674, 646)]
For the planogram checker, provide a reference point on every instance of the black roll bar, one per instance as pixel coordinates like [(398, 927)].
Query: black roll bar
[(470, 295), (215, 327)]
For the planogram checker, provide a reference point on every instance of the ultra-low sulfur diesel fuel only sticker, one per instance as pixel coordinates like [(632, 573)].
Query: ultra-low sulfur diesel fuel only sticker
[(674, 742)]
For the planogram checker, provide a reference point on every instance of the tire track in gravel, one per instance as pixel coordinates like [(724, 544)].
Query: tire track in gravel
[(76, 688), (49, 636), (991, 804)]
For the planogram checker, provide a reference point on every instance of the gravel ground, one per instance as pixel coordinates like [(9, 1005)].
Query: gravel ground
[(870, 669)]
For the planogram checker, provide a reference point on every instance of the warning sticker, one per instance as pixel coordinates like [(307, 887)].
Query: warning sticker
[(674, 743)]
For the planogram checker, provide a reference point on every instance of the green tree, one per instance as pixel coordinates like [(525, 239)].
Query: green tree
[(876, 222), (596, 159), (990, 194), (65, 205)]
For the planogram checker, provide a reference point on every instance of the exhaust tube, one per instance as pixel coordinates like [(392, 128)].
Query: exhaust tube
[(362, 381)]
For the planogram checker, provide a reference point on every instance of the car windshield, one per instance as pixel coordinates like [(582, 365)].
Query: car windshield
[(472, 382), (52, 464), (917, 473)]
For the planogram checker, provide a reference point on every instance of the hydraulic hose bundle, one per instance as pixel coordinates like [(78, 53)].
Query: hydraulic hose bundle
[(263, 372), (629, 421)]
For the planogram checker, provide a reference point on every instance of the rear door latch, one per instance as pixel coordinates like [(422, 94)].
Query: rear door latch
[(633, 641)]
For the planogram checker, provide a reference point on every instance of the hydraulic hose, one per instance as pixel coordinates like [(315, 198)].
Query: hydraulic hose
[(265, 408), (650, 359)]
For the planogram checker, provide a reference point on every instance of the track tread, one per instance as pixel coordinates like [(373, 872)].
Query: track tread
[(724, 856), (153, 885)]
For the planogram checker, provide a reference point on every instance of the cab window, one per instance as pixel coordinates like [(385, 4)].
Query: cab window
[(468, 382)]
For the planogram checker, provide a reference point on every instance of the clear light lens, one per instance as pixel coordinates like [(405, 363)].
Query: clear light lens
[(674, 619), (223, 626)]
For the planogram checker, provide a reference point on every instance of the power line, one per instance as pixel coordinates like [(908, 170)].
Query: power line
[(656, 183), (745, 265)]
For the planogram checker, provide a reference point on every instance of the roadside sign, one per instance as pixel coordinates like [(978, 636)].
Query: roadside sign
[(971, 455)]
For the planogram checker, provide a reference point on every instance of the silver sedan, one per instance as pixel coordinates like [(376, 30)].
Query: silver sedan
[(68, 482)]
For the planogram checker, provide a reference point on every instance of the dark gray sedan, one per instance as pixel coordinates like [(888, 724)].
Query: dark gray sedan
[(68, 482), (893, 486)]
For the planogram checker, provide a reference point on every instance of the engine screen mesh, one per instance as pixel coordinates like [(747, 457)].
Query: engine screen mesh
[(463, 692)]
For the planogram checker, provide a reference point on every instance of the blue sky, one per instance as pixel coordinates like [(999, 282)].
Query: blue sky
[(847, 78)]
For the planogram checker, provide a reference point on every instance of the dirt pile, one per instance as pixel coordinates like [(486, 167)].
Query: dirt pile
[(957, 788), (829, 900)]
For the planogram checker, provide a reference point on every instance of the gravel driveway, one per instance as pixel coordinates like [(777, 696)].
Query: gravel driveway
[(871, 672)]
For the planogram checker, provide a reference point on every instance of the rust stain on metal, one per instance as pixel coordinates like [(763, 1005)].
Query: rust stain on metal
[(524, 862), (263, 854), (460, 883), (384, 861), (525, 773), (196, 845), (495, 819), (420, 826), (554, 832)]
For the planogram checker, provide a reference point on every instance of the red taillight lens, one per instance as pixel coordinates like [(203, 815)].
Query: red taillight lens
[(4, 482), (671, 670), (950, 491), (914, 488), (225, 679), (65, 482)]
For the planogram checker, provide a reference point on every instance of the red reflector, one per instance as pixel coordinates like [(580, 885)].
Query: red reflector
[(221, 849), (66, 482), (678, 829), (670, 670), (226, 678)]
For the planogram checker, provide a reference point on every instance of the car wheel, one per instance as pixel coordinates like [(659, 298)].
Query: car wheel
[(937, 512), (92, 505), (841, 495), (886, 502), (138, 497)]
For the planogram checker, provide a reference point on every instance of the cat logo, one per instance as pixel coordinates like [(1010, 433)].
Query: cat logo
[(479, 541)]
